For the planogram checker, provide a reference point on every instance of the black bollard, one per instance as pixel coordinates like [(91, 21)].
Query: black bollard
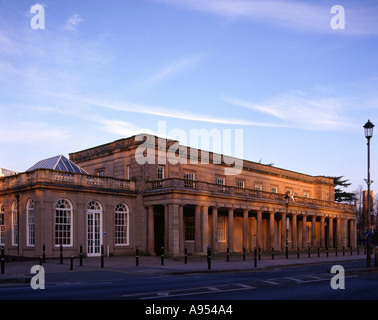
[(71, 266), (351, 250), (208, 257), (243, 253), (327, 251), (61, 254), (137, 256), (298, 252), (255, 257), (40, 260), (343, 251), (336, 251), (259, 253), (309, 252), (162, 255), (2, 261), (228, 254), (44, 252), (81, 255), (272, 253), (102, 256), (287, 252), (318, 252), (186, 255)]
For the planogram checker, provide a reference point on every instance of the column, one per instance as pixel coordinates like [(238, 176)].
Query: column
[(352, 234), (259, 230), (197, 229), (330, 232), (176, 227), (283, 231), (231, 229), (294, 232), (245, 230), (150, 231), (313, 232), (215, 230), (181, 236), (271, 230), (304, 231), (205, 228), (338, 232), (322, 232)]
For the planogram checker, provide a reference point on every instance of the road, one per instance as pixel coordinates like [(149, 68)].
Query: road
[(307, 282)]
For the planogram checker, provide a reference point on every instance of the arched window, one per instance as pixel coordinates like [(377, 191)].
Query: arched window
[(30, 229), (14, 213), (2, 225), (63, 223), (121, 224)]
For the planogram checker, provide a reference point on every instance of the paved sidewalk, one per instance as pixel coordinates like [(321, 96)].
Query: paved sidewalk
[(19, 271)]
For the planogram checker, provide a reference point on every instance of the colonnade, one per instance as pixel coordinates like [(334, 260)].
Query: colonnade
[(196, 227)]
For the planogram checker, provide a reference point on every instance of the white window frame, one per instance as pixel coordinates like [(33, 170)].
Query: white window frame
[(189, 180), (121, 225), (30, 221), (61, 226), (2, 224), (14, 224)]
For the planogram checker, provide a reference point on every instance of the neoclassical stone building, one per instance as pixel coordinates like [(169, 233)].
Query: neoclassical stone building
[(130, 193)]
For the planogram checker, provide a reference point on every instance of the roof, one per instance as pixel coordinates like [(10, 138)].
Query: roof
[(60, 163)]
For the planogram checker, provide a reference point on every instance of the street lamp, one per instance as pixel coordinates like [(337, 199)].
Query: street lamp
[(287, 198), (368, 127)]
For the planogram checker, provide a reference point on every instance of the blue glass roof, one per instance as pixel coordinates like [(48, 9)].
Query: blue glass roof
[(60, 163)]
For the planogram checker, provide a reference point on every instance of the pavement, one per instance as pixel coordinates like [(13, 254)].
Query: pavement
[(20, 271)]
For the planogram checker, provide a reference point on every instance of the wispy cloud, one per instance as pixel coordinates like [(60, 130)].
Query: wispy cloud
[(299, 110), (175, 68), (296, 15), (72, 22)]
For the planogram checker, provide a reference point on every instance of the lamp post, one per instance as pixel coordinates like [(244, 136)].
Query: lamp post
[(368, 127), (287, 198)]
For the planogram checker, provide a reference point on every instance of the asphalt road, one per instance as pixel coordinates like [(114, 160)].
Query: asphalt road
[(307, 282)]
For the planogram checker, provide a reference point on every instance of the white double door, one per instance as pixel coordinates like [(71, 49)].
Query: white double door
[(94, 233)]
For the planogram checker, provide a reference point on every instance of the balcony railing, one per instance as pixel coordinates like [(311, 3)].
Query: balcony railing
[(201, 186), (64, 178)]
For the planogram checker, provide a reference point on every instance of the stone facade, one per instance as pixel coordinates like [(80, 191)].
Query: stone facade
[(190, 202)]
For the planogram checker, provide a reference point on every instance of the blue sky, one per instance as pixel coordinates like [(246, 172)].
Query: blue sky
[(100, 71)]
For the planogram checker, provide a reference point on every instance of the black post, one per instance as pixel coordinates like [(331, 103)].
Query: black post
[(336, 251), (44, 252), (358, 250), (228, 254), (272, 253), (298, 252), (102, 256), (243, 253), (71, 267), (343, 251), (61, 254), (81, 255), (351, 250), (259, 253), (2, 261), (162, 255), (40, 260), (137, 256), (327, 251), (309, 252), (255, 257), (208, 257), (318, 252), (287, 251), (186, 255)]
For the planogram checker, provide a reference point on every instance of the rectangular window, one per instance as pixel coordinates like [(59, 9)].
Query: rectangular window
[(62, 227), (121, 228), (306, 194), (14, 226), (31, 227), (274, 189), (258, 187), (160, 173), (189, 227), (189, 178), (220, 184), (240, 184), (100, 172), (221, 228)]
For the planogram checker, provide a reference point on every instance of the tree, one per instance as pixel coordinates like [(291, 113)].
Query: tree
[(340, 195)]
